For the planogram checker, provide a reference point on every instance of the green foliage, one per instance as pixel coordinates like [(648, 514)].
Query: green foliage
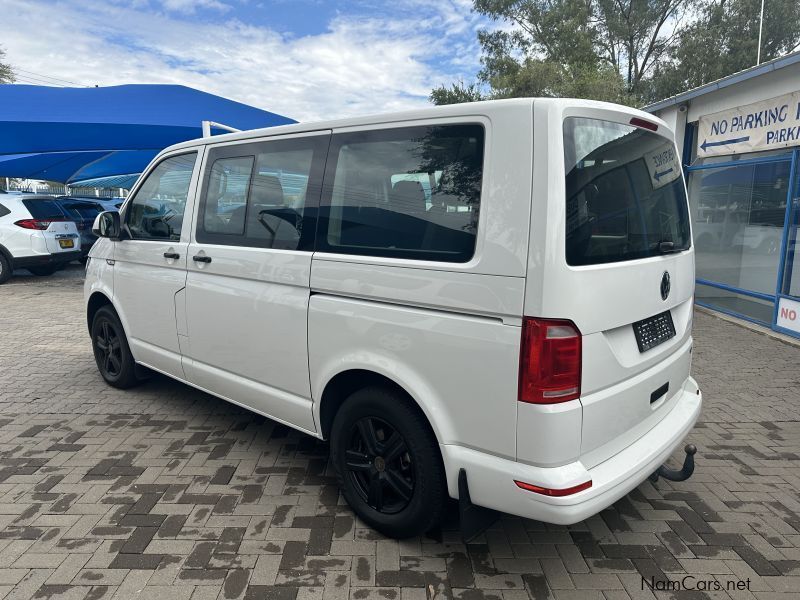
[(600, 49), (627, 51), (724, 40), (6, 72), (456, 93)]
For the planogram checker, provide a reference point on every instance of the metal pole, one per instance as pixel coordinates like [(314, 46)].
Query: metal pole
[(760, 29)]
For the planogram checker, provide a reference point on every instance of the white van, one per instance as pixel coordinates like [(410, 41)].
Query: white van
[(490, 301)]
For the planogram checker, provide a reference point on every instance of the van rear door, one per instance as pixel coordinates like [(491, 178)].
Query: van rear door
[(622, 270)]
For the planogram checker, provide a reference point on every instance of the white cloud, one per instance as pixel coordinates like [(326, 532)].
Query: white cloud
[(191, 6), (358, 66)]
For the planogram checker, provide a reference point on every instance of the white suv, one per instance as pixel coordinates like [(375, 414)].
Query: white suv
[(35, 234), (489, 301)]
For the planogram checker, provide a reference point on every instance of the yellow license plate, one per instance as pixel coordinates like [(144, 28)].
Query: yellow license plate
[(66, 243)]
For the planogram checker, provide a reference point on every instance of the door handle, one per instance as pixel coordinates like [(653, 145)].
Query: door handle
[(202, 259), (172, 255)]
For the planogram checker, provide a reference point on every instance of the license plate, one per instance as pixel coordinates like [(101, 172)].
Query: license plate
[(66, 243), (653, 331)]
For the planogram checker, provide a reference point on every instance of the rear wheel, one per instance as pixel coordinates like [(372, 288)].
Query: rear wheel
[(388, 463), (43, 271), (111, 351), (5, 269)]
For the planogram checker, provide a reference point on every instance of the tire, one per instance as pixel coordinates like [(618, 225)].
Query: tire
[(399, 487), (111, 351), (43, 271), (5, 268)]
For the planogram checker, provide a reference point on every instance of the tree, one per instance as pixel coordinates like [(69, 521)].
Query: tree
[(456, 93), (603, 49), (6, 72), (724, 40), (626, 51)]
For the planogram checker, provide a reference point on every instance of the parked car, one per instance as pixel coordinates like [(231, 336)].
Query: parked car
[(35, 234), (516, 333), (83, 212)]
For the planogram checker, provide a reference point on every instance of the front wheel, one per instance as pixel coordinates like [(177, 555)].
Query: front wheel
[(111, 351), (388, 463)]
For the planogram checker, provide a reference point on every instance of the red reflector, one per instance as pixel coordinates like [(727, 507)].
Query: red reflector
[(549, 361), (644, 124), (551, 492)]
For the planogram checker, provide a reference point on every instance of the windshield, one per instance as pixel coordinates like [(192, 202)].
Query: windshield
[(625, 194)]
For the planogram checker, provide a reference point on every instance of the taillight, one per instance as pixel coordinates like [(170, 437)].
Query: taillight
[(549, 361), (35, 223)]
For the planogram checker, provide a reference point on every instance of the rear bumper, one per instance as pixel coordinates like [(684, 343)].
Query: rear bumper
[(41, 260), (491, 479)]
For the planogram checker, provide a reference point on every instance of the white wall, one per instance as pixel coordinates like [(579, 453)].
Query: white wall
[(763, 87)]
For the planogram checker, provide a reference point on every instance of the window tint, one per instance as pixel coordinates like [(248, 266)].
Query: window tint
[(227, 195), (156, 211), (44, 209), (82, 210), (4, 211), (263, 194), (625, 194), (405, 193), (277, 197)]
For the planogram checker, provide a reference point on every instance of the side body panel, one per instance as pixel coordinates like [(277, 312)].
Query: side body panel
[(100, 270), (447, 333), (145, 284), (246, 311)]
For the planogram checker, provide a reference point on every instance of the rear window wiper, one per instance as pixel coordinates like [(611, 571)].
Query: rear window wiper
[(667, 247)]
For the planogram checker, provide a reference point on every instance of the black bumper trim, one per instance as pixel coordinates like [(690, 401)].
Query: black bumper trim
[(24, 262)]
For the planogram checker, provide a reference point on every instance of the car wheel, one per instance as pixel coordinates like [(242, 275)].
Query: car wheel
[(43, 271), (5, 269), (111, 351), (388, 463)]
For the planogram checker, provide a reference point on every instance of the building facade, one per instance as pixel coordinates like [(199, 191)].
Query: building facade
[(740, 141)]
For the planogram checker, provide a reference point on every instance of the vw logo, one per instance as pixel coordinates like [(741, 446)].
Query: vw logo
[(665, 285)]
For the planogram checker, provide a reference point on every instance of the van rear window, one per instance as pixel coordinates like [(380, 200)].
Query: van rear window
[(625, 194)]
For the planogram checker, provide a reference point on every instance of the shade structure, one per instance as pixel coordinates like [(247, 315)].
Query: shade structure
[(74, 134)]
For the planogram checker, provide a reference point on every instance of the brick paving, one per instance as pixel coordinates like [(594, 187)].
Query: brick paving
[(166, 492)]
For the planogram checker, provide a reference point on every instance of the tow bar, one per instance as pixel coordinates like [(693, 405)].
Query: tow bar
[(685, 472)]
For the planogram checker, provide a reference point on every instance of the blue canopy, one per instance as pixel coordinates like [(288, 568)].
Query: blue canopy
[(73, 134)]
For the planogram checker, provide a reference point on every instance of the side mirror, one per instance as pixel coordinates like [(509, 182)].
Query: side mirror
[(107, 225)]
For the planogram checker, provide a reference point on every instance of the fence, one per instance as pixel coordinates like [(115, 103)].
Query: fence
[(64, 190)]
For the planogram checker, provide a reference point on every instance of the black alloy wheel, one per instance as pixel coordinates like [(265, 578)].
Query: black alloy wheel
[(380, 466), (388, 463), (111, 351)]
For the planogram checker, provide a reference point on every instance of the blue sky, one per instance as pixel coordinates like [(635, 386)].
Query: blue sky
[(307, 59)]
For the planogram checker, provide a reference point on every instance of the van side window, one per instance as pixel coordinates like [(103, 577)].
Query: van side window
[(156, 210), (410, 192), (263, 194), (4, 211), (227, 195)]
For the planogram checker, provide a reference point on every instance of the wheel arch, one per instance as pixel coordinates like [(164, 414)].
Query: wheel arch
[(339, 387), (5, 252), (96, 301)]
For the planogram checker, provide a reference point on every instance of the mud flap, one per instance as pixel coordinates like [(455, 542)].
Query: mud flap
[(474, 519)]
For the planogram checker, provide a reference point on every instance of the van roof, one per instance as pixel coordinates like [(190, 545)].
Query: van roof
[(485, 108)]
